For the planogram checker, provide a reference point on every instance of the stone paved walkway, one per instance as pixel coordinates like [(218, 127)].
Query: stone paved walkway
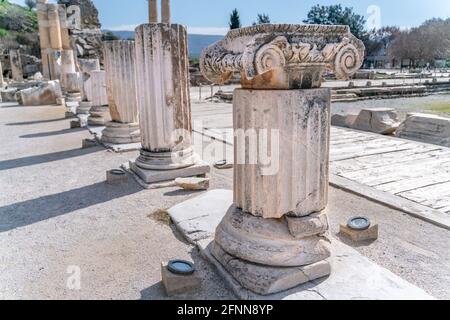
[(411, 170)]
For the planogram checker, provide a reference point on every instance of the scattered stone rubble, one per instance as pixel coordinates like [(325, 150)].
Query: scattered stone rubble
[(426, 128)]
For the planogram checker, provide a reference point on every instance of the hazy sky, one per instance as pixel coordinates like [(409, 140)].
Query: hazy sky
[(211, 16)]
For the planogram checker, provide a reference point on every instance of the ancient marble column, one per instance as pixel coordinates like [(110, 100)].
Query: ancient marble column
[(275, 236), (2, 81), (44, 36), (119, 59), (86, 67), (96, 93), (55, 40), (162, 78), (16, 65)]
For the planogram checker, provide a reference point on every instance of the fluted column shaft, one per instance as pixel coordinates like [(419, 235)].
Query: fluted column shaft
[(2, 81), (162, 76), (44, 36), (121, 80), (281, 151), (96, 88)]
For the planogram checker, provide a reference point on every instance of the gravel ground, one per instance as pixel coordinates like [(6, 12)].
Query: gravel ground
[(56, 212)]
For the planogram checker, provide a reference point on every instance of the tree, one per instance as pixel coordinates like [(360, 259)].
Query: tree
[(262, 19), (235, 20), (379, 40), (335, 14), (109, 36), (425, 43), (31, 4)]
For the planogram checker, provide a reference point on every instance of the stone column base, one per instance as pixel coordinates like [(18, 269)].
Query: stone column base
[(73, 97), (121, 133), (99, 116), (272, 255), (266, 280), (84, 107), (157, 167)]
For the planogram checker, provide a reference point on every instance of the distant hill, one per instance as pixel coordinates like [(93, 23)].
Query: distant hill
[(18, 27), (197, 42)]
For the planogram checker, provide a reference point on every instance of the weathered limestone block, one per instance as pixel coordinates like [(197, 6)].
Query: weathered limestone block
[(46, 93), (193, 183), (289, 173), (162, 79), (312, 225), (266, 280), (426, 128), (9, 95), (378, 120), (345, 121), (2, 81), (16, 65), (282, 56), (179, 284), (121, 88), (268, 241), (86, 67)]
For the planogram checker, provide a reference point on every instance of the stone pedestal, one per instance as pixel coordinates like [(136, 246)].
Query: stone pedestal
[(274, 237), (67, 66), (72, 87), (95, 88), (16, 65), (121, 88), (162, 76), (2, 81), (277, 226)]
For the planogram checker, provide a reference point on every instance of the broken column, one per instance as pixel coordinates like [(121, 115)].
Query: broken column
[(121, 88), (96, 93), (2, 81), (275, 236), (44, 36), (16, 65), (86, 67), (162, 78), (58, 60)]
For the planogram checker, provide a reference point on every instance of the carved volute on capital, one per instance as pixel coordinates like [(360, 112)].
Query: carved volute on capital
[(283, 56)]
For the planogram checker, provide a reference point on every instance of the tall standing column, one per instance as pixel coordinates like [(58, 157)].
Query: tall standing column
[(121, 87), (275, 236), (55, 40), (86, 67), (2, 81), (96, 92), (162, 75), (44, 36)]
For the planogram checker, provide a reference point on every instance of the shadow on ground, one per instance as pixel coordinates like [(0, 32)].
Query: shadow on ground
[(44, 158), (51, 133), (32, 211), (26, 123)]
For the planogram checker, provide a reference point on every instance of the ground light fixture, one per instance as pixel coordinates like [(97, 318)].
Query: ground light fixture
[(181, 267), (359, 223)]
